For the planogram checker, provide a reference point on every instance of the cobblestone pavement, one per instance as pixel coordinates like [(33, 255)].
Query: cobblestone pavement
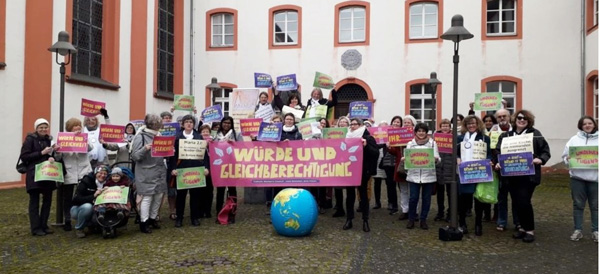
[(251, 245)]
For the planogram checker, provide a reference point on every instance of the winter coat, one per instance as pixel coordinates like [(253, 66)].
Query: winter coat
[(329, 104), (291, 135), (150, 172), (31, 154), (175, 163), (582, 139), (470, 188), (76, 164), (399, 153), (84, 194), (541, 150), (380, 172), (443, 170), (370, 155), (422, 176), (122, 152), (98, 152)]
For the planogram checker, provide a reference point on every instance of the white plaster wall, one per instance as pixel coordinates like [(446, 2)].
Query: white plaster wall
[(11, 86)]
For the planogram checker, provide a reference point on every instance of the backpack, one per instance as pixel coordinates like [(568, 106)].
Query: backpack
[(227, 214)]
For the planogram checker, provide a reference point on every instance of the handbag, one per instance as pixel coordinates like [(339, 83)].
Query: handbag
[(388, 160), (487, 192), (227, 213), (21, 166)]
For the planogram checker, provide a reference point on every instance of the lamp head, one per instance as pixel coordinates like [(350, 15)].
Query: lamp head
[(63, 46), (433, 81), (457, 32), (213, 84)]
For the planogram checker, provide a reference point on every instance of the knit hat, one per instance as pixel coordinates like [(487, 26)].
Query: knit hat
[(411, 118), (116, 170), (39, 122), (101, 168), (165, 114)]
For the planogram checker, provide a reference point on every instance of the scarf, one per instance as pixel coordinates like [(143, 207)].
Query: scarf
[(422, 141), (99, 185), (153, 132), (226, 137), (466, 147), (289, 129), (358, 133), (188, 136)]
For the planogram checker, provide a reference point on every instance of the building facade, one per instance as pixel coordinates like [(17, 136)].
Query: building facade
[(135, 55)]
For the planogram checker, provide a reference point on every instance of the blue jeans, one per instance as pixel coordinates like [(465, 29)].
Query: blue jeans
[(580, 192), (414, 200), (83, 215), (502, 218)]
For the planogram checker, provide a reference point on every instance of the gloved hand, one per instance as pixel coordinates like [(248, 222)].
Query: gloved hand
[(104, 113)]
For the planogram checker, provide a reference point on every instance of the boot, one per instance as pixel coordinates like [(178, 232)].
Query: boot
[(339, 213), (423, 225), (153, 223), (478, 230), (366, 227), (144, 227), (410, 224), (67, 226), (348, 224), (178, 222)]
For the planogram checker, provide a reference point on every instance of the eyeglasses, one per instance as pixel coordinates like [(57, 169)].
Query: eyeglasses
[(226, 122), (354, 124), (521, 118)]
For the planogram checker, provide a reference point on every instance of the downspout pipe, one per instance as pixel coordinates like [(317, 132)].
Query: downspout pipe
[(191, 47), (582, 68)]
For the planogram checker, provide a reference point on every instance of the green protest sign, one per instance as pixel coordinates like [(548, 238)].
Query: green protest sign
[(113, 195), (192, 177), (487, 101), (583, 157), (335, 133), (323, 80), (184, 102), (46, 171), (419, 158)]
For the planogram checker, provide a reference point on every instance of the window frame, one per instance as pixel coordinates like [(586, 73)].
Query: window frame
[(591, 94), (271, 26), (438, 96), (591, 14), (178, 52), (505, 78), (166, 51), (209, 29), (440, 16), (208, 94), (505, 94), (336, 32), (518, 34)]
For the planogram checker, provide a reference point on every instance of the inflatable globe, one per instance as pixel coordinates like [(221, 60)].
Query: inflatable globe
[(294, 212)]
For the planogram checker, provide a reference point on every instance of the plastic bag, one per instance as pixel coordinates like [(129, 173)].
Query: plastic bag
[(488, 192)]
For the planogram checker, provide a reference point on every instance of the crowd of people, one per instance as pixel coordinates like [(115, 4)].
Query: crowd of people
[(88, 175)]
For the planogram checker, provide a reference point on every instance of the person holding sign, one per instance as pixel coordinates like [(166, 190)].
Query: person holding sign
[(185, 159), (400, 174), (420, 179), (264, 109), (37, 149), (342, 122), (116, 179), (122, 149), (77, 165), (98, 154), (521, 188), (226, 133), (473, 145), (503, 118), (584, 182), (317, 106), (444, 175), (88, 189), (150, 173)]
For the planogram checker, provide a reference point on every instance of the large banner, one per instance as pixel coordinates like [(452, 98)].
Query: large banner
[(242, 103), (334, 162)]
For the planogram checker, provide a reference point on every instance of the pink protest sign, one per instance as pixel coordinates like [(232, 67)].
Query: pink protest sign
[(400, 136), (91, 108), (112, 133), (379, 133), (71, 142), (444, 142), (332, 162), (163, 146), (250, 126)]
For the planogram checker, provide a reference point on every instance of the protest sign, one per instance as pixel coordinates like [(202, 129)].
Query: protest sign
[(170, 129), (478, 149), (379, 133), (487, 101), (183, 102), (212, 114), (298, 114), (517, 143), (269, 132), (422, 158), (46, 171), (494, 136), (242, 103), (319, 111), (113, 195), (137, 124), (265, 113), (400, 136), (335, 162), (262, 80), (287, 82), (478, 171), (583, 157), (309, 128), (91, 108), (323, 80), (335, 132), (71, 142), (192, 177), (112, 133), (191, 149), (361, 110), (163, 146), (516, 164), (250, 126), (444, 142)]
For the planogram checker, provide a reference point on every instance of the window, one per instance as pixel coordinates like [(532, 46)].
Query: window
[(595, 12), (591, 94), (221, 29), (421, 104), (87, 38), (591, 14), (502, 19), (595, 99), (423, 21), (508, 90), (166, 42), (285, 28), (347, 94), (351, 23), (221, 97)]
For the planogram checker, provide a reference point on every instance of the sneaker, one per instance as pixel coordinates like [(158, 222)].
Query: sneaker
[(595, 236), (79, 233), (577, 235), (528, 238)]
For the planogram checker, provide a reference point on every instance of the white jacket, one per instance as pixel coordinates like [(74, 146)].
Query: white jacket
[(582, 139), (77, 165), (423, 176)]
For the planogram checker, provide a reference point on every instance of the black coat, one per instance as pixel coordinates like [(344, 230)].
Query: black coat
[(175, 163), (541, 150), (85, 190), (292, 135), (31, 154), (370, 154), (329, 104)]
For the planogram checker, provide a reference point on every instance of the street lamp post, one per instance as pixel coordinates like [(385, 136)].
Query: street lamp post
[(455, 33), (63, 48), (433, 82)]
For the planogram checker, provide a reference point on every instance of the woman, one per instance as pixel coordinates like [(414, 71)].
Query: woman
[(521, 188), (98, 154), (77, 165), (290, 130), (420, 180), (317, 100), (444, 176), (37, 149), (226, 133), (264, 109), (89, 188), (150, 173), (390, 171), (188, 133), (293, 100), (380, 175), (408, 121), (206, 196), (472, 140), (343, 122), (370, 155), (489, 121), (584, 182), (122, 149)]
